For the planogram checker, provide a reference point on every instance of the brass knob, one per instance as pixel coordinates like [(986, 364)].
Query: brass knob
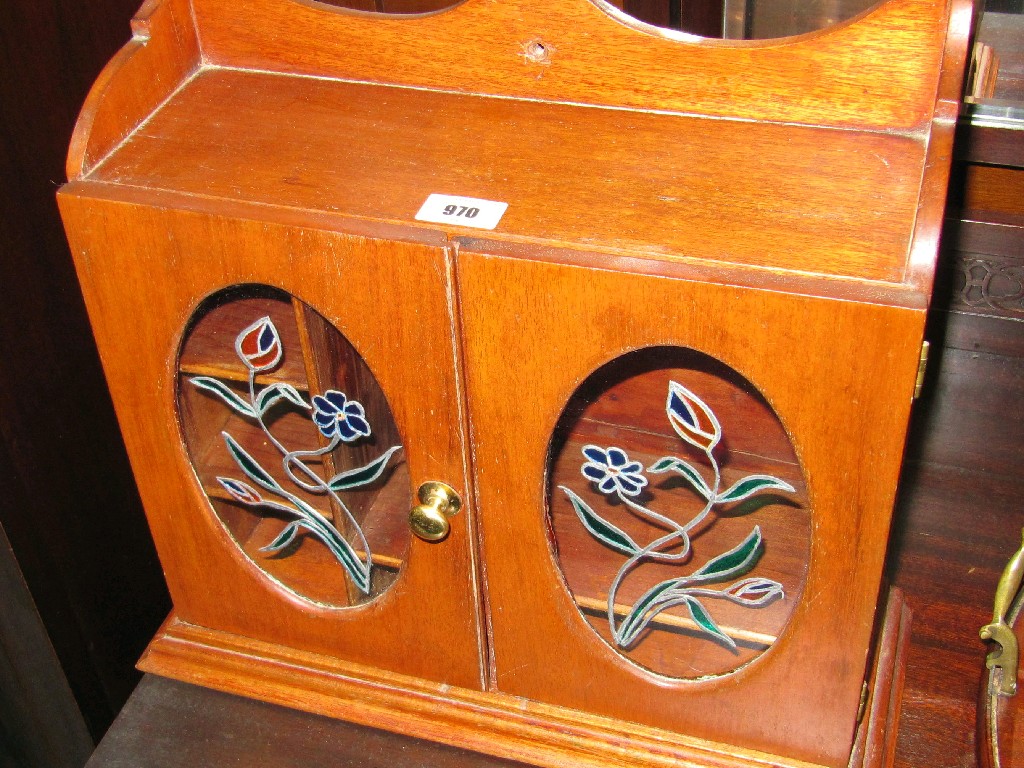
[(438, 502)]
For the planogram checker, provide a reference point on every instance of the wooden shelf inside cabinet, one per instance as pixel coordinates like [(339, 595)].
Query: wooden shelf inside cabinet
[(315, 359)]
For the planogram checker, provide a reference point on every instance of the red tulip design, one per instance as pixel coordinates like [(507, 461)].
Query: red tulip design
[(259, 345), (691, 418)]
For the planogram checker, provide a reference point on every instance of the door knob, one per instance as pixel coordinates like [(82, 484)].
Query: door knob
[(429, 518)]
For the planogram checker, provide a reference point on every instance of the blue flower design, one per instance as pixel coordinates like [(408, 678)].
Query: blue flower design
[(337, 416), (612, 470)]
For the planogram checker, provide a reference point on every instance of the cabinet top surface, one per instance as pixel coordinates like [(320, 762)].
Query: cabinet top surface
[(622, 182)]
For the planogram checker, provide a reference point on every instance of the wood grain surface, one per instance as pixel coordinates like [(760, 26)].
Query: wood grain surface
[(851, 75), (846, 431), (489, 723), (434, 607), (774, 206), (659, 186), (161, 53), (959, 516)]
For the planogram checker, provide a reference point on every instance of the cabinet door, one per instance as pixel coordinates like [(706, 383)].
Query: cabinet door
[(283, 392), (685, 491)]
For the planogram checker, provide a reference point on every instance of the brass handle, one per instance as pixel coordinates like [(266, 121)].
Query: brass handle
[(1005, 656), (429, 518)]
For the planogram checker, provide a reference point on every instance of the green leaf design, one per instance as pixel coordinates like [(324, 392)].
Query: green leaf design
[(343, 552), (703, 620), (273, 394), (249, 465), (673, 464), (748, 486), (660, 598), (604, 531), (345, 555), (735, 562), (353, 478), (222, 390), (283, 539), (635, 620)]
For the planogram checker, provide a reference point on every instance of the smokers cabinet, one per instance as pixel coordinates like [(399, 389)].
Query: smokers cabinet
[(519, 375)]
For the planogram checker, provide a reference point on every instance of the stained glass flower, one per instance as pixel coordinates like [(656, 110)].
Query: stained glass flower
[(259, 345), (754, 591), (337, 416), (242, 492), (612, 470), (691, 418)]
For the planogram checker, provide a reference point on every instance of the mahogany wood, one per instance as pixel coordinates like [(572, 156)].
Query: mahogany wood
[(960, 507), (862, 84), (1000, 717), (988, 144), (954, 536), (163, 50), (875, 742), (486, 722), (582, 318), (996, 189), (772, 205), (951, 544), (702, 197), (188, 257)]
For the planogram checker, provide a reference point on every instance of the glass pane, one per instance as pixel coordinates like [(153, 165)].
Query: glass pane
[(397, 7), (295, 445), (996, 74), (678, 513), (743, 19)]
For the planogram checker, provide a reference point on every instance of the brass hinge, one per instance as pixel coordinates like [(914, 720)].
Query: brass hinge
[(922, 364)]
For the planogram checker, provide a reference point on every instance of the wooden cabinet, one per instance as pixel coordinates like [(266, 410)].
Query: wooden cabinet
[(666, 387)]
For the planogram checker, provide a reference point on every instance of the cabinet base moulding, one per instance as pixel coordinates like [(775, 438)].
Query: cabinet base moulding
[(492, 722)]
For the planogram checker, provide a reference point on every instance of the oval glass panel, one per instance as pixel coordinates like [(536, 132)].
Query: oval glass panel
[(393, 7), (742, 19), (678, 513), (295, 445)]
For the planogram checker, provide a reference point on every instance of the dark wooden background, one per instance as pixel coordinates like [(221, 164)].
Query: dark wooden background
[(83, 563), (67, 500)]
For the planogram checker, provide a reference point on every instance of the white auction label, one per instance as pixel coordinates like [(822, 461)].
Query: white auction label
[(462, 211)]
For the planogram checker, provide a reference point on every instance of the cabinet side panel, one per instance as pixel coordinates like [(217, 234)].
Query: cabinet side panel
[(163, 50)]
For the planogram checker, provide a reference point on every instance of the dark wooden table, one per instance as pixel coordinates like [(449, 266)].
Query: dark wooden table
[(167, 724)]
